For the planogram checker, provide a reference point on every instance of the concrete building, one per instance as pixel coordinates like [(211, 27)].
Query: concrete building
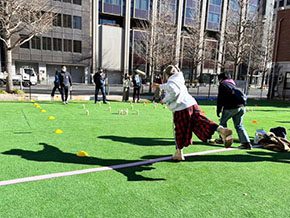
[(90, 34), (118, 32), (68, 43)]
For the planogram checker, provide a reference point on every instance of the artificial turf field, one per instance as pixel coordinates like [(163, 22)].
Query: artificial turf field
[(237, 183)]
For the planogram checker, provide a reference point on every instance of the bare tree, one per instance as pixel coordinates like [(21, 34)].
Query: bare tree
[(157, 42), (20, 20), (262, 50), (191, 49), (238, 34)]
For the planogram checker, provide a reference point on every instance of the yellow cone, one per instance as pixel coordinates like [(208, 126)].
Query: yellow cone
[(51, 118), (43, 111), (254, 121), (58, 131), (82, 154)]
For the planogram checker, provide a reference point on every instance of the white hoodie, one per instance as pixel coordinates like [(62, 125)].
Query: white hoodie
[(177, 97)]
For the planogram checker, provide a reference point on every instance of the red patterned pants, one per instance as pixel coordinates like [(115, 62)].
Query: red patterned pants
[(189, 120)]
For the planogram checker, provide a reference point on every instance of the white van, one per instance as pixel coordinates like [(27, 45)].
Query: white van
[(27, 76)]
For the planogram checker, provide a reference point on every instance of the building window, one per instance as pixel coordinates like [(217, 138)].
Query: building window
[(234, 5), (287, 81), (26, 44), (57, 44), (77, 45), (35, 42), (110, 21), (214, 18), (68, 1), (214, 14), (57, 20), (142, 5), (77, 22), (191, 12), (215, 2), (67, 21), (141, 9), (112, 7), (77, 2), (252, 8), (281, 3), (67, 45), (113, 2), (46, 43), (139, 47)]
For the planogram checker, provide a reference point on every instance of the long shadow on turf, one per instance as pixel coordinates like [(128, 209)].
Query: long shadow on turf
[(253, 156), (142, 141), (50, 153), (250, 156)]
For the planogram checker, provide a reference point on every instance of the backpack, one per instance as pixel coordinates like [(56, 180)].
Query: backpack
[(238, 96), (279, 131)]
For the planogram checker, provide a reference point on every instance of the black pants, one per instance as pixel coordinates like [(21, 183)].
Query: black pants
[(54, 89), (125, 94), (102, 88), (64, 93), (136, 93)]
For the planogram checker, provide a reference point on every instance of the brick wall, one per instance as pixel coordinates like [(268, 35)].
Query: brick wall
[(282, 37)]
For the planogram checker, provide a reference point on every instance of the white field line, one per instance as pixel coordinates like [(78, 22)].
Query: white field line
[(99, 169)]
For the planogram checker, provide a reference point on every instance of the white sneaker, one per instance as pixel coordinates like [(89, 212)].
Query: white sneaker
[(178, 155), (226, 135)]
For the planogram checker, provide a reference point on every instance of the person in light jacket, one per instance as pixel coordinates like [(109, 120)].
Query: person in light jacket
[(187, 115)]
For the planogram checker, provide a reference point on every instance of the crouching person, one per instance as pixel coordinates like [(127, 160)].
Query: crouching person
[(187, 115)]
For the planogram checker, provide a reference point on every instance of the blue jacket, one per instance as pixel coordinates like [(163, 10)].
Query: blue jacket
[(57, 79)]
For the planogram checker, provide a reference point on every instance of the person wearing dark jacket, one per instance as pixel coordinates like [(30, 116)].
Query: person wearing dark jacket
[(230, 107), (65, 84), (137, 83), (56, 84), (99, 80)]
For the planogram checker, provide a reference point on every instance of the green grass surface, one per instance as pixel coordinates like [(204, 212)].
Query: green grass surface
[(231, 184)]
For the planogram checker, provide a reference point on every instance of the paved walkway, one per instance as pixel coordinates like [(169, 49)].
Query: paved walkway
[(46, 97), (86, 92)]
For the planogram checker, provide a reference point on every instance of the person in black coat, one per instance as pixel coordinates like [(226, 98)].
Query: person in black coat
[(99, 79), (231, 107), (65, 84), (137, 84)]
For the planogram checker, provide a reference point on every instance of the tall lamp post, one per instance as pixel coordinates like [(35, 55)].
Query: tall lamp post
[(249, 61)]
